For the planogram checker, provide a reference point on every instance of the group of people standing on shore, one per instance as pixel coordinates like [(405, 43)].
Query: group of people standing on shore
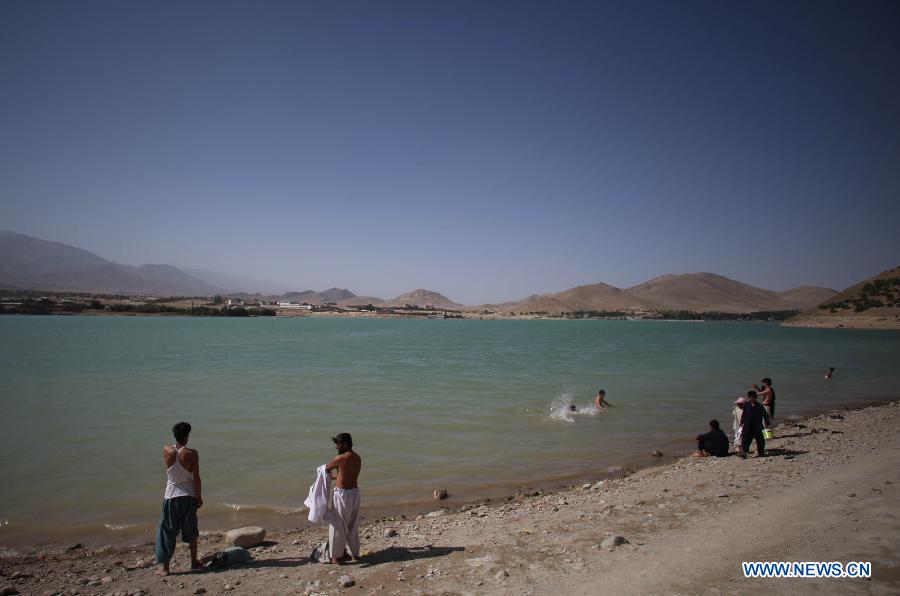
[(183, 497), (752, 414)]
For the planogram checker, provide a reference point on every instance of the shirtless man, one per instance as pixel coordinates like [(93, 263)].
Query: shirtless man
[(767, 395), (181, 500), (343, 533), (600, 401)]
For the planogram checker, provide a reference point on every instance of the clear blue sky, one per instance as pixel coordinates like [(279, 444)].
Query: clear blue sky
[(486, 150)]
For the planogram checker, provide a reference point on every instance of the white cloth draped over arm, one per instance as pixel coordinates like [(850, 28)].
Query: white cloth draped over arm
[(317, 501)]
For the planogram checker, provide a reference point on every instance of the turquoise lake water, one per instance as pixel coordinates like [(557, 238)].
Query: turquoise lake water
[(88, 402)]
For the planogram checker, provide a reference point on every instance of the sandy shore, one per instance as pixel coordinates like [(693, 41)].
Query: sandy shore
[(828, 492), (890, 322)]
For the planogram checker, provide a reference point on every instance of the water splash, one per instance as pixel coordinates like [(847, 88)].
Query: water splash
[(561, 407), (564, 409)]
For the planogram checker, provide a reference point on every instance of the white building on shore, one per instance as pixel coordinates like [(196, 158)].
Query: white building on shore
[(294, 305)]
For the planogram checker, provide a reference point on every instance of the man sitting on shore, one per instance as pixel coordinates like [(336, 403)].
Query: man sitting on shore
[(713, 443), (343, 533)]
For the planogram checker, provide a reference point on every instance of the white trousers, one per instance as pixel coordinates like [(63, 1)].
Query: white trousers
[(343, 531)]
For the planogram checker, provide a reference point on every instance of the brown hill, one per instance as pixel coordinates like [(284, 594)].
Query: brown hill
[(873, 303), (598, 297), (805, 297), (423, 298), (707, 292), (361, 301)]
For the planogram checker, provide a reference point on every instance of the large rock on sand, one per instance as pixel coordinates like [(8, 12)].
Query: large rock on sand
[(246, 537), (612, 541)]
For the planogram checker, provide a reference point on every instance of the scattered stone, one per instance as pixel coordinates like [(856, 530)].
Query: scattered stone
[(390, 533), (586, 486), (501, 575), (613, 541), (613, 469), (246, 537), (234, 555), (437, 513), (723, 495), (851, 494), (145, 564), (20, 575), (9, 591), (76, 546), (106, 580), (346, 581), (440, 493), (200, 591), (657, 453), (479, 561), (227, 587)]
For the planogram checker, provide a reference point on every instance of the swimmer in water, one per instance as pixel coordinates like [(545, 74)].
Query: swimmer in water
[(600, 400), (830, 372), (572, 408)]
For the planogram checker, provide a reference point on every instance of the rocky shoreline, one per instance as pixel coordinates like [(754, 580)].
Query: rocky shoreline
[(827, 492)]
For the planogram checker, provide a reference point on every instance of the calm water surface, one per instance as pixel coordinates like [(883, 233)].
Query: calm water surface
[(88, 402)]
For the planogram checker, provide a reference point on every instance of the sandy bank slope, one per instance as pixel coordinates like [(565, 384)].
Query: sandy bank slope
[(827, 493)]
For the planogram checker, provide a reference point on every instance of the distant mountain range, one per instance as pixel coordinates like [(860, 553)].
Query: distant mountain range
[(699, 292), (32, 263), (237, 283)]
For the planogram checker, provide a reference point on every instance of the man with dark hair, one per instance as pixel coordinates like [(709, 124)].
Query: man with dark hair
[(714, 442), (753, 421), (600, 401), (181, 500), (343, 533), (767, 394)]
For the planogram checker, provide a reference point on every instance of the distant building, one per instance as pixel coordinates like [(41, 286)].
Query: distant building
[(295, 305)]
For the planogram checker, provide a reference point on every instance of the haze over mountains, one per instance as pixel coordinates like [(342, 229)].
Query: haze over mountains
[(27, 262), (31, 263)]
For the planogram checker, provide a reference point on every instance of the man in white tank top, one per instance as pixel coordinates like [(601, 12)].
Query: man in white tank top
[(181, 500)]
